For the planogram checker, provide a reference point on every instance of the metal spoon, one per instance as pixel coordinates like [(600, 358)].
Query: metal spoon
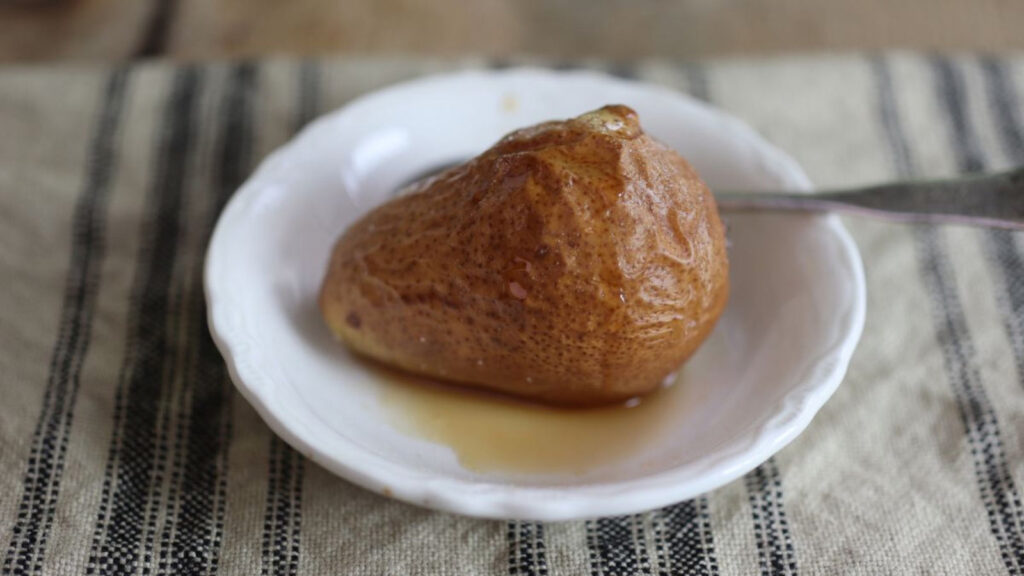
[(993, 200)]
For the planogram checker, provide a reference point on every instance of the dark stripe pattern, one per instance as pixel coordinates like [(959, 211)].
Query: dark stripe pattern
[(1003, 501), (775, 551), (126, 509), (617, 545), (41, 484), (165, 485), (951, 93), (282, 519), (973, 404), (998, 492), (1006, 106), (527, 553), (201, 518), (174, 391), (996, 488), (683, 541), (681, 538), (889, 116)]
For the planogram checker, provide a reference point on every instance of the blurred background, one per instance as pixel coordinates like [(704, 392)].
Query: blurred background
[(114, 30)]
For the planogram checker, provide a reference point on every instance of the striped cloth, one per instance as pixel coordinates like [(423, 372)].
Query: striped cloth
[(124, 449)]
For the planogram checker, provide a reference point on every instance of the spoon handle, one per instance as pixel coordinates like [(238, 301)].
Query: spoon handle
[(993, 200)]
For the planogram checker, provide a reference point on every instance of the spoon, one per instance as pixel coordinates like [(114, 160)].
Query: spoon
[(994, 200)]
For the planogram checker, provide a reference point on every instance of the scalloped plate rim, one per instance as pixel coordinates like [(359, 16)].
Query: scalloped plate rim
[(497, 500)]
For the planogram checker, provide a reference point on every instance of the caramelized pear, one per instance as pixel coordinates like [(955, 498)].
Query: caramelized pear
[(577, 262)]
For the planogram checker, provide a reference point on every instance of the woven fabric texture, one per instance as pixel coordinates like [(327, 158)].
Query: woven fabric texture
[(124, 448)]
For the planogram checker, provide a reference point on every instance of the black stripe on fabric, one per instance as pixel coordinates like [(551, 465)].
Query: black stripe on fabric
[(514, 550), (973, 404), (890, 119), (775, 550), (952, 334), (965, 142), (196, 547), (156, 504), (41, 484), (129, 475), (683, 541), (1003, 500), (282, 520), (1010, 270), (267, 539), (295, 535), (527, 552), (617, 546), (172, 405), (1000, 495), (640, 536), (540, 553), (282, 515), (1005, 104), (175, 529), (173, 500)]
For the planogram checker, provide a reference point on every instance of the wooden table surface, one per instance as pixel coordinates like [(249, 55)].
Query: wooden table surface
[(104, 30)]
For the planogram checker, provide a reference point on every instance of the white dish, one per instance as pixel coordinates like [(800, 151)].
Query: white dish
[(780, 350)]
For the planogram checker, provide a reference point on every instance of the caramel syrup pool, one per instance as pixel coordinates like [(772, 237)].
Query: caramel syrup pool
[(495, 433)]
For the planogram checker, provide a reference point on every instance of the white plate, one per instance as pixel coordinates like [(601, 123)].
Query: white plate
[(778, 353)]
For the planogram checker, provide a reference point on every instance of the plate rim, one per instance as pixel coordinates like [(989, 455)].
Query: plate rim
[(502, 501)]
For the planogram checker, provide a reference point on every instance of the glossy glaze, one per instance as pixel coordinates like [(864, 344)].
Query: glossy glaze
[(576, 262), (497, 434)]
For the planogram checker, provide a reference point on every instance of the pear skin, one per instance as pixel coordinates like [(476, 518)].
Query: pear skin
[(578, 262)]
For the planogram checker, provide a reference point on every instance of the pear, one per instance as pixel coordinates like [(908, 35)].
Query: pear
[(578, 262)]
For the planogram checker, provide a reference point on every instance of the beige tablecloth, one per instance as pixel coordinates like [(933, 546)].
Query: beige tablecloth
[(125, 449)]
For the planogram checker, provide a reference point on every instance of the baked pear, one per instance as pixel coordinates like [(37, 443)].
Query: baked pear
[(578, 262)]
